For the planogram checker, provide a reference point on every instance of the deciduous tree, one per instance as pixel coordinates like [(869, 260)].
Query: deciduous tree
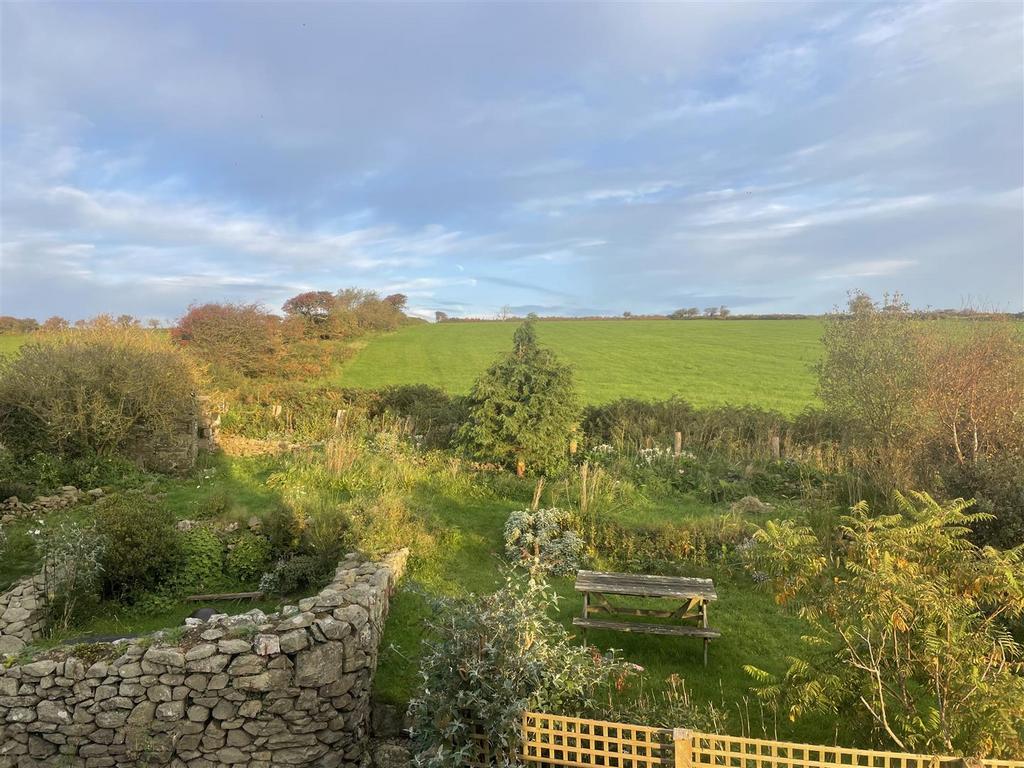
[(910, 627)]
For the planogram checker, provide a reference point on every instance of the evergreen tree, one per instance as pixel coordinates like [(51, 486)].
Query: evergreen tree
[(523, 410)]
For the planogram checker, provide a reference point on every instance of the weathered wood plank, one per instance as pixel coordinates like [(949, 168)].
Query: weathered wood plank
[(639, 585), (648, 629)]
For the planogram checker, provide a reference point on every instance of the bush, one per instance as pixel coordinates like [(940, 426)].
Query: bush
[(201, 566), (486, 660), (997, 484), (141, 544), (249, 557), (294, 574), (71, 554), (242, 338), (99, 391), (546, 538)]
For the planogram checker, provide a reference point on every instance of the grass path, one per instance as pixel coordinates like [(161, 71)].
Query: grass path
[(765, 363)]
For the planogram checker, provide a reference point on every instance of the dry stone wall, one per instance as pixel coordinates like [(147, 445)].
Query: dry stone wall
[(22, 614), (288, 689)]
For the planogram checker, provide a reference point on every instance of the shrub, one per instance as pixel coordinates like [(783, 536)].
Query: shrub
[(141, 546), (546, 538), (249, 557), (910, 627), (201, 565), (486, 660), (997, 485), (101, 391), (282, 529), (523, 410), (242, 338), (294, 574), (71, 554)]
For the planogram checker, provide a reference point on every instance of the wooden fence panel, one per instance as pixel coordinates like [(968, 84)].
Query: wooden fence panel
[(550, 740), (572, 742)]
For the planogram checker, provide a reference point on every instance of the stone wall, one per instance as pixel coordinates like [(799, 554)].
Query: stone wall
[(288, 689), (22, 614)]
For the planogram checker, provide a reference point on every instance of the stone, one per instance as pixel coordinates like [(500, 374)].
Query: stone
[(215, 663), (10, 645), (232, 755), (266, 645), (39, 668), (260, 682), (248, 664), (298, 621), (158, 693), (202, 651), (170, 710), (143, 713), (320, 665), (166, 656), (391, 755), (234, 646), (52, 712), (293, 641)]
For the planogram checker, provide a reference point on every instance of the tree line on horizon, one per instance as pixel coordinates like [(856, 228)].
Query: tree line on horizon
[(333, 314)]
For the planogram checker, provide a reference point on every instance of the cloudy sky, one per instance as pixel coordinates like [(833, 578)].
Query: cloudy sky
[(567, 158)]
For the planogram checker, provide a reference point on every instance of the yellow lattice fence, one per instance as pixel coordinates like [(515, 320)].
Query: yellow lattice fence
[(552, 740)]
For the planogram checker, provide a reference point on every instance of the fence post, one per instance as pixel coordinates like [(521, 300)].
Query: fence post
[(678, 446), (681, 747), (776, 448)]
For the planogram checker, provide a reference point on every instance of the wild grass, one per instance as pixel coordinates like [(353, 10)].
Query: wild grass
[(765, 363)]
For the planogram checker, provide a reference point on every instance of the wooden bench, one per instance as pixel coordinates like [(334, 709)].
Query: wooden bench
[(696, 594)]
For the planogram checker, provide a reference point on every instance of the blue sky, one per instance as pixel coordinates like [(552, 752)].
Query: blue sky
[(561, 158)]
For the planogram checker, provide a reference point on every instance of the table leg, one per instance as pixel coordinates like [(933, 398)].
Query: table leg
[(586, 613), (704, 622)]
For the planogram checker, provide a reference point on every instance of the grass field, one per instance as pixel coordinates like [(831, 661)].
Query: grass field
[(765, 363), (11, 342)]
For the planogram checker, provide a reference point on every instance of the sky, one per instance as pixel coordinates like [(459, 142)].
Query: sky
[(568, 158)]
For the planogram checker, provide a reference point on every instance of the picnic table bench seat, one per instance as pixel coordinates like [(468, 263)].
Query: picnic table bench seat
[(647, 629)]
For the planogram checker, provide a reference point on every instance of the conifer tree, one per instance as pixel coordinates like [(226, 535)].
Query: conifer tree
[(523, 409)]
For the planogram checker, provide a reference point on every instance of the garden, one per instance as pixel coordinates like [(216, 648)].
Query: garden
[(852, 609)]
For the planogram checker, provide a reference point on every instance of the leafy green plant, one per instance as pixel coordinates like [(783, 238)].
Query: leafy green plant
[(249, 557), (142, 545), (71, 554), (201, 565), (293, 574), (486, 660), (911, 627), (544, 538)]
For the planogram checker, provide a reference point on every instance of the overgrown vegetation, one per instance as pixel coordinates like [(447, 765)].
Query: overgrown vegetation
[(912, 623), (99, 391), (912, 627)]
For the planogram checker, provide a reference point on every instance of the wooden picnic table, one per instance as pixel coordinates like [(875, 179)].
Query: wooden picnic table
[(689, 619)]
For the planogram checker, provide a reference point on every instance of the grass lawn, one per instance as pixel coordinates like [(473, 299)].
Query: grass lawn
[(765, 363), (469, 559)]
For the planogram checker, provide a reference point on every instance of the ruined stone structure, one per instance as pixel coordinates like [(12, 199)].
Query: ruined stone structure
[(288, 689)]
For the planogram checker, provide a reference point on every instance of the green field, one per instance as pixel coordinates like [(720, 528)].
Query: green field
[(11, 343), (707, 362)]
